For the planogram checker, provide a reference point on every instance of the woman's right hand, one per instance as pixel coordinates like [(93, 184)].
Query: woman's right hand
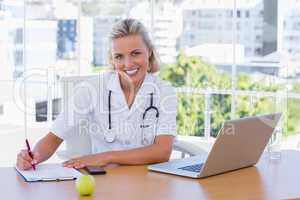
[(24, 161)]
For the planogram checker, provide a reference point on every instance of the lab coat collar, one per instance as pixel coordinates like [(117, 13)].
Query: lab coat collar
[(113, 83), (148, 86)]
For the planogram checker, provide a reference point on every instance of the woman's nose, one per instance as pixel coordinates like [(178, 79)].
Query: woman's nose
[(128, 62)]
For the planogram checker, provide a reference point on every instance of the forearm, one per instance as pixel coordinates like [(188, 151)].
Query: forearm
[(144, 155), (47, 146), (160, 151)]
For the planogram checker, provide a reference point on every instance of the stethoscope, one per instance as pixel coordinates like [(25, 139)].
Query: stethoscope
[(111, 137)]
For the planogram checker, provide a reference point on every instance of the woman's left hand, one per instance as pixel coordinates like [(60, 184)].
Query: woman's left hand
[(88, 160)]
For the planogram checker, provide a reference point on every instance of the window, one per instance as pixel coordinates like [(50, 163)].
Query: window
[(192, 37), (238, 26), (257, 38), (229, 13), (199, 13), (18, 58), (238, 13), (258, 51), (197, 53), (247, 14), (248, 50), (19, 36)]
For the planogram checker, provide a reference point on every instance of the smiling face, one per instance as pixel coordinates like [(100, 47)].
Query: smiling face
[(130, 57)]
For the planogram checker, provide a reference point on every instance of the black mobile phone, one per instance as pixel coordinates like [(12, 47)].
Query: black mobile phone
[(95, 170)]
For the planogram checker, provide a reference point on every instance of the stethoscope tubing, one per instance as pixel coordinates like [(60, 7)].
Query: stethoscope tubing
[(143, 117)]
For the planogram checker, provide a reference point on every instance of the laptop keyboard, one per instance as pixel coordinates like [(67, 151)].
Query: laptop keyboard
[(192, 168)]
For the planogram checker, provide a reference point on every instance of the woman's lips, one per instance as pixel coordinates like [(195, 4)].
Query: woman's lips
[(131, 72)]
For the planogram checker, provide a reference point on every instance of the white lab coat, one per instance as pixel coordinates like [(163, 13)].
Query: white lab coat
[(87, 111)]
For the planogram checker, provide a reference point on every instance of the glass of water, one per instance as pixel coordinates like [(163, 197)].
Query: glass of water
[(274, 146)]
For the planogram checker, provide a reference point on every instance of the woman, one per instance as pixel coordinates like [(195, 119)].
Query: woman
[(134, 111)]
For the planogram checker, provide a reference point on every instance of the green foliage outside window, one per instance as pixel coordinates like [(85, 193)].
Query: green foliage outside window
[(193, 72)]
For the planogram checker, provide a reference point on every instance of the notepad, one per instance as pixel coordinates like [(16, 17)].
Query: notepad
[(49, 172)]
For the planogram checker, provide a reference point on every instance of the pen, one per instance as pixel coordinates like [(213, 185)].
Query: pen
[(30, 153)]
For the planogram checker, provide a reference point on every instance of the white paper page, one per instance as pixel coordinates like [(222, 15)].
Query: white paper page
[(49, 172)]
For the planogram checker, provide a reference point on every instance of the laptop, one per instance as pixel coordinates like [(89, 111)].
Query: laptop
[(239, 144)]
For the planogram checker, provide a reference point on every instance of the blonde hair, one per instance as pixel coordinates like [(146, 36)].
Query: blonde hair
[(128, 27)]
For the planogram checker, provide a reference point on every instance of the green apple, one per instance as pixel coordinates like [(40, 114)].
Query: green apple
[(85, 185)]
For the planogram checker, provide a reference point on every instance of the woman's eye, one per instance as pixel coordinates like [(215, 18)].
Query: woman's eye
[(136, 53), (117, 57)]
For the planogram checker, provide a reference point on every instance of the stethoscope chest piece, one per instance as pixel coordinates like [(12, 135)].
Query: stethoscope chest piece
[(110, 137)]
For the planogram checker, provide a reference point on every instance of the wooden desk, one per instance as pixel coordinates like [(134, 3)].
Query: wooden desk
[(268, 180)]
